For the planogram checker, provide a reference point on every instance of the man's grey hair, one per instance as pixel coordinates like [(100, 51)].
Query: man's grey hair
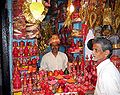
[(105, 44)]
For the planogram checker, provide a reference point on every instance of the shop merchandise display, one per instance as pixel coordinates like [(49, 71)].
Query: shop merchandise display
[(75, 79), (30, 40), (25, 55)]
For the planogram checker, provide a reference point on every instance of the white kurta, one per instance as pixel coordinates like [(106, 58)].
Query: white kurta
[(108, 81), (50, 62)]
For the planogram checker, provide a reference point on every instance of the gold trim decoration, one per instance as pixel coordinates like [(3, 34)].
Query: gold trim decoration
[(76, 33), (27, 13), (116, 46), (117, 22), (93, 18), (68, 20), (107, 16), (83, 12)]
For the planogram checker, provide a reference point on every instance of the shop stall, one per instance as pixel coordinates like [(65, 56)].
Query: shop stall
[(76, 22)]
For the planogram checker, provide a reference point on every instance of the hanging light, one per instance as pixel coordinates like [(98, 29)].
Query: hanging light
[(71, 8), (36, 9)]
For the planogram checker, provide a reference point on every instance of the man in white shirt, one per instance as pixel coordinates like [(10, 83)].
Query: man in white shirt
[(108, 76), (54, 60)]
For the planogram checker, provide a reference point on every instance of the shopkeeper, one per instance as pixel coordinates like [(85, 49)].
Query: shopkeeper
[(55, 59)]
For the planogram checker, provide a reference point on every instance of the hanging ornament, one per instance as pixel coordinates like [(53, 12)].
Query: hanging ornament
[(70, 10), (107, 14), (27, 13), (93, 18), (117, 22), (36, 8)]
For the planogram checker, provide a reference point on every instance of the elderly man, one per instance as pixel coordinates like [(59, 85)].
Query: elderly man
[(54, 60), (108, 77)]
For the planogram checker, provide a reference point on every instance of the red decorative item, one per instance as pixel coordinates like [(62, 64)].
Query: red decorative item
[(82, 64), (34, 61), (20, 2), (78, 68), (30, 85), (25, 84), (30, 47), (72, 43), (15, 52), (66, 89), (61, 72), (24, 62), (16, 79), (17, 10), (76, 3), (21, 48), (25, 80), (84, 31), (26, 51), (15, 44), (15, 49), (116, 60), (75, 15), (29, 62), (50, 73), (77, 45), (56, 72), (91, 62), (35, 49)]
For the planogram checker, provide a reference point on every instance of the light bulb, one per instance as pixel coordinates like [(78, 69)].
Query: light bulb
[(36, 8), (71, 8)]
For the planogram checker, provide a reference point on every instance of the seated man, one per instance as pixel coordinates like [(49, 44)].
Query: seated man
[(54, 60)]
